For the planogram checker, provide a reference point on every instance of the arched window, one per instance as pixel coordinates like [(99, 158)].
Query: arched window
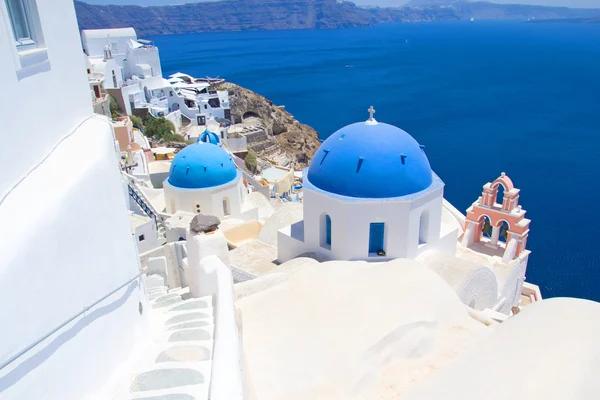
[(503, 231), (500, 194), (486, 227), (424, 227), (226, 208)]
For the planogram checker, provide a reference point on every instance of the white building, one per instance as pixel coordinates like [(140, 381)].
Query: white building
[(198, 100), (204, 179), (143, 231), (132, 73), (131, 70), (370, 194), (70, 279)]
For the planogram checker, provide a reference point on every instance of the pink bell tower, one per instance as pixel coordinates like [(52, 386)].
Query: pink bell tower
[(486, 213)]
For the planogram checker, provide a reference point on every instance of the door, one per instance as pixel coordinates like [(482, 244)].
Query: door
[(376, 237)]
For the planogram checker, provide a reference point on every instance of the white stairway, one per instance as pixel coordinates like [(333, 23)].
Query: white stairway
[(178, 364)]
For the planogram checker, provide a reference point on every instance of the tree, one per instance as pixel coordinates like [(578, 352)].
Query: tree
[(135, 120), (161, 129), (250, 160), (115, 109)]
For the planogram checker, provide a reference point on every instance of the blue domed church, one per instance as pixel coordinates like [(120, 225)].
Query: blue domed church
[(204, 179), (369, 194)]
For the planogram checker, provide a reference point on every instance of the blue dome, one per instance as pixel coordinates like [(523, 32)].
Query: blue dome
[(370, 161), (209, 137), (201, 165)]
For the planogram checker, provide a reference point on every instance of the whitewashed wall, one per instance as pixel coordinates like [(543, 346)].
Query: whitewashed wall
[(73, 244), (210, 200), (350, 224), (71, 247), (175, 118), (94, 41), (140, 56), (148, 230), (39, 132)]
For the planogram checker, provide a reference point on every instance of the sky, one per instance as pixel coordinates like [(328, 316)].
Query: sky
[(568, 3)]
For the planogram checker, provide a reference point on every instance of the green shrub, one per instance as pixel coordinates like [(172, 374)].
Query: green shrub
[(136, 120), (115, 109), (250, 160), (161, 129)]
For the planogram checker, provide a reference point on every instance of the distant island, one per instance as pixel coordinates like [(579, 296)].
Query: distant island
[(595, 20), (242, 15)]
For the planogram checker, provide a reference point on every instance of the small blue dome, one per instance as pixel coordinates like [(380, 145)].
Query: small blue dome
[(200, 166), (209, 137), (370, 161)]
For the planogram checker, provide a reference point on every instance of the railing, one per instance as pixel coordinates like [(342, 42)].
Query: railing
[(140, 202)]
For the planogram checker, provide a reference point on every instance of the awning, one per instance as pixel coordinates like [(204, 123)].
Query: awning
[(134, 44)]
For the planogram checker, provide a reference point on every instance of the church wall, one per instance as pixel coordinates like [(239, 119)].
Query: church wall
[(71, 248), (432, 204), (210, 200), (511, 286), (350, 224)]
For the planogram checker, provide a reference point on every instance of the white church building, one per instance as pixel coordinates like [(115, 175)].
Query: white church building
[(369, 194), (203, 179)]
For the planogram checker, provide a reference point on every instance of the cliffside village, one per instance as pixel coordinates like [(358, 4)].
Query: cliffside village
[(188, 271), (126, 70)]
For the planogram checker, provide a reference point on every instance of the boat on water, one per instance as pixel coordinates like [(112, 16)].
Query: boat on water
[(472, 19)]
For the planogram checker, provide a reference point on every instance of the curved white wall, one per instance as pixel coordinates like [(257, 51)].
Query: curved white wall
[(49, 103), (67, 244), (66, 240), (351, 219), (210, 199)]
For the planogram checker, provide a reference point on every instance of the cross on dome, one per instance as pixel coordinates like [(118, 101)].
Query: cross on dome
[(371, 120)]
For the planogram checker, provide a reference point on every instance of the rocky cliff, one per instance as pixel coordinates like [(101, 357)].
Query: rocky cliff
[(486, 10), (239, 15), (285, 141)]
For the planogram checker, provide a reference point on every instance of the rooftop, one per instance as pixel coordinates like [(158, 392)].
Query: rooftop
[(344, 329), (136, 221)]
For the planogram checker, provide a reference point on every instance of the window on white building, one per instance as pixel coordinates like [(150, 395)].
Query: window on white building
[(424, 227), (141, 238), (226, 210), (25, 25)]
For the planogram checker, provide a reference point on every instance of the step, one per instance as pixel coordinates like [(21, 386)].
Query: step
[(172, 380)]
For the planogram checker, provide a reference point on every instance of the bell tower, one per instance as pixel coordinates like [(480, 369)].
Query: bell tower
[(498, 222)]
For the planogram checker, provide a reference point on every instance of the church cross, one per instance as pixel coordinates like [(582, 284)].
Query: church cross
[(371, 112)]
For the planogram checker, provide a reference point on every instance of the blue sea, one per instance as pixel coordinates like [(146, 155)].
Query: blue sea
[(483, 97)]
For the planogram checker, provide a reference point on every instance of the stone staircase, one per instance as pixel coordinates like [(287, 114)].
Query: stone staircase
[(178, 365), (140, 198)]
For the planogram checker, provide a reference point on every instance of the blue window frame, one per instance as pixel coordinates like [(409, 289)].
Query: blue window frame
[(328, 230), (376, 237)]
